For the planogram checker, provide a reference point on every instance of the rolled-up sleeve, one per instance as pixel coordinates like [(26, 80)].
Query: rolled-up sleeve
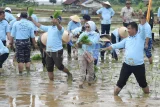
[(44, 28), (119, 44)]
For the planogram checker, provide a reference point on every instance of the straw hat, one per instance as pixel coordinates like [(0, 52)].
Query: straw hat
[(65, 37), (107, 3), (105, 38), (44, 38), (75, 18), (123, 32)]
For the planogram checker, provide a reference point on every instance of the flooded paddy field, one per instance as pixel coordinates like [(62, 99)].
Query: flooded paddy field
[(36, 90)]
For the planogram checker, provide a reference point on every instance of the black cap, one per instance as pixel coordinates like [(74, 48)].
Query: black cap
[(86, 17)]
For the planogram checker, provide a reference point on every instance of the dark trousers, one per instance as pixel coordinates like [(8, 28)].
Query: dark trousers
[(69, 49), (113, 40), (4, 43), (105, 28), (3, 58), (138, 71)]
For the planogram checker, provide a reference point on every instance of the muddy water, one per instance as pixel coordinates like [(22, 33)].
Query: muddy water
[(35, 90)]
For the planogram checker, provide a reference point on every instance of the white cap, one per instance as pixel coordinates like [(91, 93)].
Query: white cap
[(18, 15), (8, 8)]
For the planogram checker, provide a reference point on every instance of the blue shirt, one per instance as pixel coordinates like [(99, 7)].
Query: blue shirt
[(106, 15), (9, 17), (134, 49), (11, 23), (35, 18), (94, 38), (116, 34), (22, 29), (54, 38), (158, 14), (72, 25), (3, 49), (4, 29), (145, 30)]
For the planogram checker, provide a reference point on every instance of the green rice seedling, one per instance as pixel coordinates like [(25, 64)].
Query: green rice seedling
[(56, 14), (84, 40), (30, 11), (36, 57)]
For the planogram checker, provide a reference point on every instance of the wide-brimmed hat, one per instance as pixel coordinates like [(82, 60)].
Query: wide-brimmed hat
[(8, 8), (107, 3), (66, 37), (44, 38), (123, 32), (75, 18), (105, 38)]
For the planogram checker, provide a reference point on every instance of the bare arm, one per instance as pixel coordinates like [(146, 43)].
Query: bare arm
[(55, 21), (8, 35)]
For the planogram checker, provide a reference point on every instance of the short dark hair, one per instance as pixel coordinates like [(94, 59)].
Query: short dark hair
[(86, 17), (1, 12), (24, 15), (133, 25)]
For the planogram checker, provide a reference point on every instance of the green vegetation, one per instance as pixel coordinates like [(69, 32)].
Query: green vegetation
[(30, 11), (84, 40), (36, 57), (56, 14)]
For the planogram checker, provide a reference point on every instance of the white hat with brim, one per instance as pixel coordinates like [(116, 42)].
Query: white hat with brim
[(65, 37), (107, 3), (123, 32), (8, 8), (18, 15), (75, 18)]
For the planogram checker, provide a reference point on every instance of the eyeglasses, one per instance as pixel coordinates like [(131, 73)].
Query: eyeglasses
[(87, 26)]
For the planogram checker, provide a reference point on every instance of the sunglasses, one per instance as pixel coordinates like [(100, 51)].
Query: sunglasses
[(87, 26)]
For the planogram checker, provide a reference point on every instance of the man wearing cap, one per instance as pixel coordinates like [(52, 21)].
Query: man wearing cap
[(127, 14), (105, 13), (54, 47), (8, 16), (116, 36), (4, 28), (134, 59), (74, 23), (145, 29), (22, 31)]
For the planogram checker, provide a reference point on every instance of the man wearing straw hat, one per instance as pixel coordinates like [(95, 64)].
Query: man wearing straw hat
[(105, 14), (116, 36), (22, 31), (74, 23), (127, 13), (134, 59), (54, 48)]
